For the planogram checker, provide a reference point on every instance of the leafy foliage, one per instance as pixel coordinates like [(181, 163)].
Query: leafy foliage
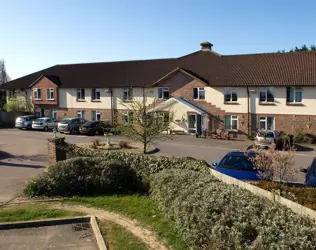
[(144, 165), (302, 48), (84, 176), (212, 215), (145, 125)]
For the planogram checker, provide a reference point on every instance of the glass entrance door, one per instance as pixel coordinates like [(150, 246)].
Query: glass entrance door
[(192, 122)]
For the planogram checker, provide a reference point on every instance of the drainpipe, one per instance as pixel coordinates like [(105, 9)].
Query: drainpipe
[(112, 111), (248, 110)]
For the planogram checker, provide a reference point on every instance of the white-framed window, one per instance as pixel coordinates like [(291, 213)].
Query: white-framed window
[(96, 94), (266, 94), (81, 114), (12, 93), (199, 93), (38, 112), (81, 95), (50, 95), (37, 94), (127, 117), (294, 94), (54, 114), (127, 94), (96, 115), (266, 122), (230, 95), (163, 93), (231, 122)]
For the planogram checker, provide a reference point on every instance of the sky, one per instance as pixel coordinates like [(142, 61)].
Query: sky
[(39, 34)]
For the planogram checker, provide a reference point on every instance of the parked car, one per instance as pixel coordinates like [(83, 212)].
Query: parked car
[(310, 177), (237, 165), (264, 138), (92, 128), (44, 123), (25, 121), (70, 125)]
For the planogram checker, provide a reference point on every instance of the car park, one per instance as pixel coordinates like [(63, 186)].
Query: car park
[(264, 138), (237, 165), (70, 125), (92, 128), (25, 121), (44, 123)]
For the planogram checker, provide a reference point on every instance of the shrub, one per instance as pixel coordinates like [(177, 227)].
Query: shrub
[(299, 135), (212, 215), (144, 165), (309, 138), (84, 176), (124, 144)]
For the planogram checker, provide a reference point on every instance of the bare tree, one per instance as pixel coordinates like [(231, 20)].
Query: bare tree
[(143, 125)]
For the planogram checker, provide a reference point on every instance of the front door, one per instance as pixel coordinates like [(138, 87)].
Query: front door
[(192, 124)]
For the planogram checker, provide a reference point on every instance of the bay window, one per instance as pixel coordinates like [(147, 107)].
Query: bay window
[(294, 94), (266, 94)]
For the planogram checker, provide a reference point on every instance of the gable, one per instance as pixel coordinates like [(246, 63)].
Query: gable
[(46, 81)]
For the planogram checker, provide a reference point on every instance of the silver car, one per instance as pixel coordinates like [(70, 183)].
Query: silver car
[(44, 123), (25, 121), (70, 125), (264, 138)]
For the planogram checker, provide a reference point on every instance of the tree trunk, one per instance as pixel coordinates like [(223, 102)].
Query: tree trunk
[(145, 147)]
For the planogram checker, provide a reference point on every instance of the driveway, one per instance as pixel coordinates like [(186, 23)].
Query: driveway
[(24, 154)]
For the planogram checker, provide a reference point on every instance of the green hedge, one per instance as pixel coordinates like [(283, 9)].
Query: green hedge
[(143, 164), (85, 176), (212, 215)]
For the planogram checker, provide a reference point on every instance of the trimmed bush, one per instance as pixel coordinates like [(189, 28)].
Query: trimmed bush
[(84, 176), (212, 215), (144, 165)]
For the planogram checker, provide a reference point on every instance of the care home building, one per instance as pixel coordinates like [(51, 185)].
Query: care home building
[(204, 90)]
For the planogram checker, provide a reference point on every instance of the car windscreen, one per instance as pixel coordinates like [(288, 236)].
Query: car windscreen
[(87, 124), (266, 134), (237, 163), (65, 121), (40, 120)]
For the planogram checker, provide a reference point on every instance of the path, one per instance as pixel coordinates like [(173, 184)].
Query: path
[(147, 236)]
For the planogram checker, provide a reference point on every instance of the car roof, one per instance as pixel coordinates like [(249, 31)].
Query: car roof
[(27, 115), (240, 153)]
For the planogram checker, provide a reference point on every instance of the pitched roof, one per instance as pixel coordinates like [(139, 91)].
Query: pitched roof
[(268, 69)]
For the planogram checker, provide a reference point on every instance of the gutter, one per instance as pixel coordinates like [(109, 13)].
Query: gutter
[(112, 111), (248, 110)]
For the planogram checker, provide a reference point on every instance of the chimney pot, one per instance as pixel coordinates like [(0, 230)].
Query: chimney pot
[(206, 46)]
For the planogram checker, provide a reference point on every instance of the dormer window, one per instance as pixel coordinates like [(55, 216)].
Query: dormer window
[(163, 93)]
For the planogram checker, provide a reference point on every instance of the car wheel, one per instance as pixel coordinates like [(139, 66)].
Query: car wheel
[(28, 127), (72, 131), (46, 128), (97, 132)]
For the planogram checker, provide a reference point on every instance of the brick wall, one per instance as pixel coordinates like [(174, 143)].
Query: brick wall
[(43, 84), (72, 112)]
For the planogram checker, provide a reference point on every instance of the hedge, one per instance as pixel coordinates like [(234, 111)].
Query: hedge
[(212, 215), (143, 164), (85, 176)]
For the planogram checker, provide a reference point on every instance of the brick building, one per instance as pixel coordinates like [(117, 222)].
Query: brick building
[(204, 90)]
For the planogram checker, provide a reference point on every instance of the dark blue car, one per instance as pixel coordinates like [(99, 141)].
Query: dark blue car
[(237, 165)]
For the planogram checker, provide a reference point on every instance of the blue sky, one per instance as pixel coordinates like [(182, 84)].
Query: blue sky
[(40, 34)]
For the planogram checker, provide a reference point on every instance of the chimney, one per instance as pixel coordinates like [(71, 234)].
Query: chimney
[(206, 46)]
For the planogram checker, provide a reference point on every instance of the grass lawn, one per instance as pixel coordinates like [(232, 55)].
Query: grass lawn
[(32, 212), (141, 208), (117, 238)]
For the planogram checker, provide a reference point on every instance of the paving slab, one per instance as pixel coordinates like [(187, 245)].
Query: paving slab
[(77, 236)]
